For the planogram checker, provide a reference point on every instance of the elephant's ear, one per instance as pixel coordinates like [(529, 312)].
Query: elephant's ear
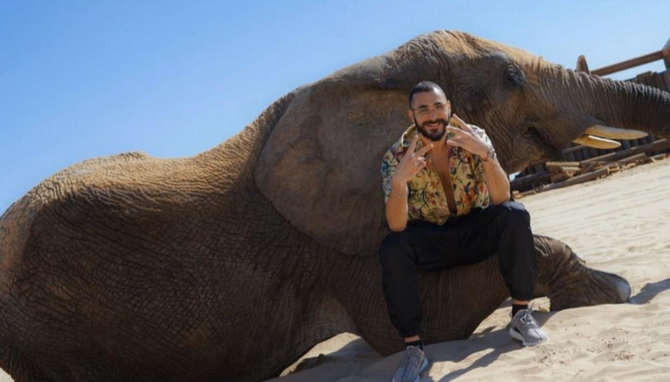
[(320, 166)]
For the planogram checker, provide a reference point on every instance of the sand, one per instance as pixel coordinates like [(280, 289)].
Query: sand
[(618, 224)]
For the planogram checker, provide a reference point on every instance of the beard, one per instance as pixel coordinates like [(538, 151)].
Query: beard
[(433, 136)]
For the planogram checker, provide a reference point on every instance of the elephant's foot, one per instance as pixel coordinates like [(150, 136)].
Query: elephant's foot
[(569, 283)]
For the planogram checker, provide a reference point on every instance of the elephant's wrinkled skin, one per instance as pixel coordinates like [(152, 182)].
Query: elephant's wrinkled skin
[(228, 265)]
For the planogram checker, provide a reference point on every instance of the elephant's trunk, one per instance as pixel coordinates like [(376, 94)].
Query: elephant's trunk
[(615, 103)]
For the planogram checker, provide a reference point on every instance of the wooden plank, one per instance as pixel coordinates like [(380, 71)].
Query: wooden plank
[(655, 82), (561, 164), (526, 193), (643, 81), (657, 145), (658, 81), (649, 81), (633, 62), (644, 77), (576, 180), (555, 178), (666, 80), (637, 158), (528, 181), (665, 52), (571, 170), (634, 158), (589, 167)]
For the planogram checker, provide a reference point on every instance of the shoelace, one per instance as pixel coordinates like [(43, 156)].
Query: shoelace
[(413, 357), (527, 319)]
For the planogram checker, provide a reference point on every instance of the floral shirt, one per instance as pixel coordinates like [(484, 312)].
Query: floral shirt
[(426, 199)]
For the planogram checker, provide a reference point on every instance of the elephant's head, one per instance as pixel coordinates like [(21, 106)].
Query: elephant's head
[(320, 165)]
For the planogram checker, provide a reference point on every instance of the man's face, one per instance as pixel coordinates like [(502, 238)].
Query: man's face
[(430, 112)]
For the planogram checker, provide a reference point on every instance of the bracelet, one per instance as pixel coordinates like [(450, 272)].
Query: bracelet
[(397, 194), (490, 154)]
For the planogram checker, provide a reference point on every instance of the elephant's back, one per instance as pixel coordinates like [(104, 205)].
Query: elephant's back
[(97, 253)]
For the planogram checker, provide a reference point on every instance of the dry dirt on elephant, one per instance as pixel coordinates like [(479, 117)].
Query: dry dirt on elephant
[(618, 224)]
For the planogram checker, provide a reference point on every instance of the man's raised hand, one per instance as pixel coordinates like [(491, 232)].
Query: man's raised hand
[(466, 138), (409, 165)]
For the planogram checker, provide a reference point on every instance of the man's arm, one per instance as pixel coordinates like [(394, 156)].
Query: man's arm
[(396, 186), (396, 207), (496, 181)]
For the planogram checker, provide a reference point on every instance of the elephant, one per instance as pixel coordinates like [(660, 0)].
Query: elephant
[(231, 264)]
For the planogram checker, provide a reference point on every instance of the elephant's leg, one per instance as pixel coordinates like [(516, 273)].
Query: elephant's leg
[(569, 283)]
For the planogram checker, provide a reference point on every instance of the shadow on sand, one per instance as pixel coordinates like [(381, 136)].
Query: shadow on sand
[(650, 291), (488, 343)]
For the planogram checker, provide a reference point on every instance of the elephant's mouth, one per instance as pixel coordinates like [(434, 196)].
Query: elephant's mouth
[(546, 150)]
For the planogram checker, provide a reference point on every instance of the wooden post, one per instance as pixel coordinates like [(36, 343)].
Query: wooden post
[(640, 77), (666, 54), (582, 66)]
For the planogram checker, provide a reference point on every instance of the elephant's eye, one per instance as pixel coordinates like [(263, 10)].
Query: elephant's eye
[(514, 76)]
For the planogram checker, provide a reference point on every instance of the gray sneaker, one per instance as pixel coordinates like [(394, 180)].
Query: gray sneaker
[(525, 329), (412, 363)]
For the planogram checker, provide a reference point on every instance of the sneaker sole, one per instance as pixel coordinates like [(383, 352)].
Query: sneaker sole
[(518, 336), (423, 367)]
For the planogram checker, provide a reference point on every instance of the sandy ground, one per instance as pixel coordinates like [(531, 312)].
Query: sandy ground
[(618, 224)]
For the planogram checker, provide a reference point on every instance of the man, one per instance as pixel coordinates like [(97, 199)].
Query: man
[(447, 203)]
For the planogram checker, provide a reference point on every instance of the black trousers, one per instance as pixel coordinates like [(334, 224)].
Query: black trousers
[(462, 240)]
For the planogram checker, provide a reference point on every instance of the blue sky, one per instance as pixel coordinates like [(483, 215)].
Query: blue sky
[(82, 79)]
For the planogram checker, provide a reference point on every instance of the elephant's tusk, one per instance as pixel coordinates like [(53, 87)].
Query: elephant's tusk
[(614, 132), (597, 142)]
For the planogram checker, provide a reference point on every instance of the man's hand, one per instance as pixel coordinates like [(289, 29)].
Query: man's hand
[(409, 165), (495, 177), (466, 138)]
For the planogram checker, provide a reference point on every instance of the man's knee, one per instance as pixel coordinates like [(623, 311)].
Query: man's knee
[(394, 246), (513, 211)]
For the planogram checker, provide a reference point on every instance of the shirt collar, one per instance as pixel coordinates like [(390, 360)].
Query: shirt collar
[(406, 138)]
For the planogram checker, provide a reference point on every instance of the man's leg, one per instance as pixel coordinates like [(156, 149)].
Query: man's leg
[(401, 255), (505, 229), (516, 251), (419, 246)]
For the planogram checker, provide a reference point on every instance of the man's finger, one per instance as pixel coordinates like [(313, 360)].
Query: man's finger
[(462, 124), (454, 143), (424, 149), (454, 130), (415, 167), (412, 145), (457, 132)]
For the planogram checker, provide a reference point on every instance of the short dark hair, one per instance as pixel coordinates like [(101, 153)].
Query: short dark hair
[(422, 87)]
